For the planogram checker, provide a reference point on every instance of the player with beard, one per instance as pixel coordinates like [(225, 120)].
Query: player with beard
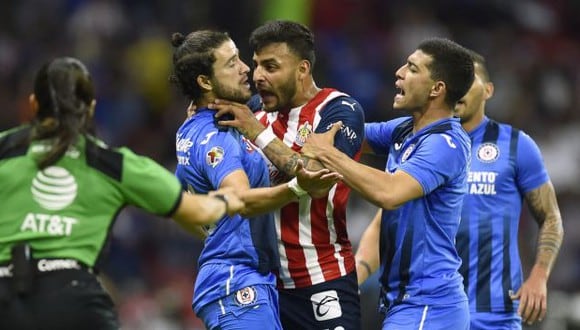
[(235, 285), (506, 169), (317, 279)]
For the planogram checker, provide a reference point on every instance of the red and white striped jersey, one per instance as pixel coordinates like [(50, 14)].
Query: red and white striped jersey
[(313, 245)]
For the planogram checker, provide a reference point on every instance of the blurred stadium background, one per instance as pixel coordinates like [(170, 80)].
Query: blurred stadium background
[(532, 46)]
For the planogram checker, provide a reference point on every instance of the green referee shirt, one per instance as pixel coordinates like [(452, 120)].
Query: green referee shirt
[(67, 209)]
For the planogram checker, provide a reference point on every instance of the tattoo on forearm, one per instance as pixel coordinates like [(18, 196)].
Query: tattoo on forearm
[(544, 207), (285, 158)]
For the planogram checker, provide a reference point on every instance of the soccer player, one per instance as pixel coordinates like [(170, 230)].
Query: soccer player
[(506, 168), (317, 280), (420, 192), (235, 287), (61, 190)]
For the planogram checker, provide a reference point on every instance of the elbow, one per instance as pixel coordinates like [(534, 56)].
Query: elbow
[(388, 202)]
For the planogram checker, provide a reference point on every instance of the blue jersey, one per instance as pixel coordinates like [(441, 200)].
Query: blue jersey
[(238, 252), (505, 165), (419, 262)]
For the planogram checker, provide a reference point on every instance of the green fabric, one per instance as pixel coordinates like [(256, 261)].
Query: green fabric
[(67, 210)]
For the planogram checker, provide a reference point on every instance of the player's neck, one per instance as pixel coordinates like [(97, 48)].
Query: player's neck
[(305, 92), (431, 114), (473, 122)]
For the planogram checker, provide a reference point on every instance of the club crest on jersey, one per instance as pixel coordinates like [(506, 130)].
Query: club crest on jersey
[(407, 153), (302, 134), (214, 156), (488, 153), (246, 296)]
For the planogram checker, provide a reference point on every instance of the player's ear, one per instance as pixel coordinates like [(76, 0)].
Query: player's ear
[(303, 69), (204, 82), (437, 88), (488, 88)]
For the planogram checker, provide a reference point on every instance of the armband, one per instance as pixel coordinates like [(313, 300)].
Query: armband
[(296, 189), (264, 138)]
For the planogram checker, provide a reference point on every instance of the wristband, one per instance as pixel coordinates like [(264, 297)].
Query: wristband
[(224, 199), (296, 189), (264, 138)]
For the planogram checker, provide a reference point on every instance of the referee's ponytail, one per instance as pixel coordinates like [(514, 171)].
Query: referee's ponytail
[(65, 94)]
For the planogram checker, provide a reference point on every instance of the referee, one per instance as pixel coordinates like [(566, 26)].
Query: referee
[(61, 189)]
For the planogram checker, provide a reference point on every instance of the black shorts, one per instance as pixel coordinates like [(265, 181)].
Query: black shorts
[(64, 299), (329, 305)]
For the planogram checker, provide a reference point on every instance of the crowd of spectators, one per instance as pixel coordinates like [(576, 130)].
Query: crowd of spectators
[(532, 47)]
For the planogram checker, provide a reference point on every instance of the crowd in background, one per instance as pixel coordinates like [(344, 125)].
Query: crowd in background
[(532, 47)]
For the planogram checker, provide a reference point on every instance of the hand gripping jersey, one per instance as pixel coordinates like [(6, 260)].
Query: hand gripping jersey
[(313, 240), (238, 252), (68, 209), (506, 164), (419, 263)]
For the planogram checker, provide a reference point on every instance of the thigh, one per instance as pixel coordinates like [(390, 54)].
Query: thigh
[(499, 321), (254, 307), (432, 317), (331, 305)]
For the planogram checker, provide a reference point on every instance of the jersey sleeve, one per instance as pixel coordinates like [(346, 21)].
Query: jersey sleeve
[(255, 103), (220, 156), (437, 159), (379, 135), (350, 112), (531, 171), (148, 185)]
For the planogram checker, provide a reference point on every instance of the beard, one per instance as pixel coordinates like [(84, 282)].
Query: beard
[(284, 95), (229, 93)]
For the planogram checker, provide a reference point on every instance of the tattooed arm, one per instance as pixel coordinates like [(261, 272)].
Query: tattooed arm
[(544, 207), (533, 293)]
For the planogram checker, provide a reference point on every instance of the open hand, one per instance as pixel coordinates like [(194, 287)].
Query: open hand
[(317, 143), (318, 182), (244, 119)]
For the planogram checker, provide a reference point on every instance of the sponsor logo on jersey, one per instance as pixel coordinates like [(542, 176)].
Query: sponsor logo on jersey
[(449, 141), (246, 296), (214, 156), (351, 105), (407, 153), (487, 153), (54, 188), (52, 224), (326, 305), (183, 145), (302, 134), (482, 182)]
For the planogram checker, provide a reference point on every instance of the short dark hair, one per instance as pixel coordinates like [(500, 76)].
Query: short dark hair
[(194, 56), (480, 60), (452, 63), (298, 37)]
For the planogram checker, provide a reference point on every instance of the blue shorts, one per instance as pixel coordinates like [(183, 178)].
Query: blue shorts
[(249, 308), (330, 305), (431, 317), (499, 321)]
